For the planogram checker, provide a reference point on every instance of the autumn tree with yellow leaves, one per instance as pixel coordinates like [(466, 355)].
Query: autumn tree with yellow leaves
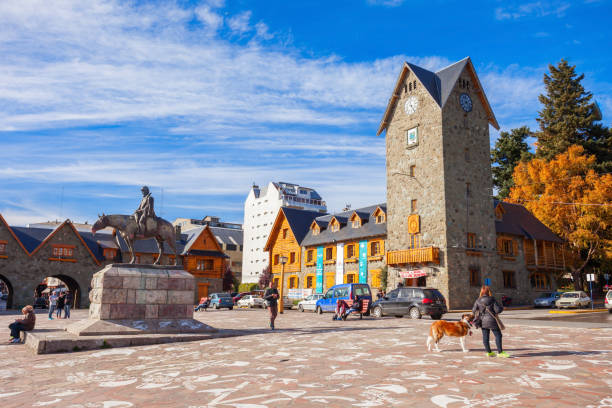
[(573, 200)]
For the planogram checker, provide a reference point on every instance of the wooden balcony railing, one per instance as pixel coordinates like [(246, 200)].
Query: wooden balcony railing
[(416, 255), (549, 255), (208, 273)]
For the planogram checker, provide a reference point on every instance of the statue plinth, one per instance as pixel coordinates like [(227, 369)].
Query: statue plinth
[(140, 299)]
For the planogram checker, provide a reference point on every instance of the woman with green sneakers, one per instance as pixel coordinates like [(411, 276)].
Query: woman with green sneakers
[(486, 308)]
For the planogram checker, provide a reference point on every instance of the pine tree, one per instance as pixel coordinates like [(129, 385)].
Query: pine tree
[(228, 279), (510, 149), (568, 117)]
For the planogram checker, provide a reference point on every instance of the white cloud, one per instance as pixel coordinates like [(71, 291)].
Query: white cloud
[(543, 8), (206, 15), (240, 24), (262, 31)]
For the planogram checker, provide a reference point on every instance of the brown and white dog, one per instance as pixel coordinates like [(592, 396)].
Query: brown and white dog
[(443, 328)]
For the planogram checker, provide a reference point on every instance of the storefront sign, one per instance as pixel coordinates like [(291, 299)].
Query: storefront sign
[(363, 261), (417, 273), (320, 269), (299, 293)]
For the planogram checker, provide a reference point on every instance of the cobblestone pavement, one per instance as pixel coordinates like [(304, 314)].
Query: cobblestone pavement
[(310, 361)]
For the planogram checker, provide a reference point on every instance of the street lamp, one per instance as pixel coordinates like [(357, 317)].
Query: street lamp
[(283, 261)]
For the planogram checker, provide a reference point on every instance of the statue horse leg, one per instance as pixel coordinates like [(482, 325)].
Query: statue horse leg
[(130, 244), (160, 246)]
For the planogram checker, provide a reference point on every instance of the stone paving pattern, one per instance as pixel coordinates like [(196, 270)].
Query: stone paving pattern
[(310, 361)]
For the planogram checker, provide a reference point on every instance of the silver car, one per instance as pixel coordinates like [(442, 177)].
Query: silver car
[(310, 302), (251, 301), (608, 301), (573, 299)]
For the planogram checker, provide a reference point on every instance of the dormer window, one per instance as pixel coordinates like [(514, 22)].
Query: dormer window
[(356, 223), (335, 227), (3, 247), (380, 216), (315, 228)]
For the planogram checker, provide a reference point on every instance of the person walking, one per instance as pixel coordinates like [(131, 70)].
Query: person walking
[(61, 301), (486, 308), (25, 324), (68, 304), (52, 304), (271, 297)]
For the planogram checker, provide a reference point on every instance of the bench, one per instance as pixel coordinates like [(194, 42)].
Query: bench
[(365, 305)]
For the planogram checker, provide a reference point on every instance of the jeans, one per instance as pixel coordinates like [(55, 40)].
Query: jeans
[(273, 310), (16, 327), (58, 312), (200, 307), (498, 339), (67, 312), (51, 310)]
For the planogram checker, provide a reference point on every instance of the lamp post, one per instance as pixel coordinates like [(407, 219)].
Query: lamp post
[(283, 261)]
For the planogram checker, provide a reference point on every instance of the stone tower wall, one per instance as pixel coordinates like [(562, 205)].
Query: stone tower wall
[(467, 160), (427, 187)]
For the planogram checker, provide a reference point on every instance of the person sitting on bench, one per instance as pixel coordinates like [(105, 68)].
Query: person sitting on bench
[(356, 307), (203, 304), (341, 307)]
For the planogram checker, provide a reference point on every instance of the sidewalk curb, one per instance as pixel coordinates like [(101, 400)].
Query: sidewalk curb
[(577, 311), (506, 309)]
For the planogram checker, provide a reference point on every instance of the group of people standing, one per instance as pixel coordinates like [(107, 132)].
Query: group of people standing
[(60, 302)]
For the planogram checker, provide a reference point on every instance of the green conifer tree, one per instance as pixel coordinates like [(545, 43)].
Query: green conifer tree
[(510, 149), (569, 117)]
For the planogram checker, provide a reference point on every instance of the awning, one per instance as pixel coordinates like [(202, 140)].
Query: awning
[(417, 273)]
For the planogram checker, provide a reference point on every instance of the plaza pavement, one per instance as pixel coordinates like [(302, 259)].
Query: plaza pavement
[(310, 361)]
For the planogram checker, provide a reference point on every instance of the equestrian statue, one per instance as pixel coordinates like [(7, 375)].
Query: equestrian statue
[(143, 224)]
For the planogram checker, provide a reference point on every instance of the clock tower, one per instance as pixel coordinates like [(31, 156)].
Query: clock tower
[(440, 224)]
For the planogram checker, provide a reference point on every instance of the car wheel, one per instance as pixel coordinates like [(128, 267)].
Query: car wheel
[(415, 313), (377, 312), (609, 310), (319, 310), (230, 308), (216, 306), (301, 308), (436, 316)]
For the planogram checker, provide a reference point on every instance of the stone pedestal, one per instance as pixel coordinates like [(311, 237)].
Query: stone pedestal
[(140, 299)]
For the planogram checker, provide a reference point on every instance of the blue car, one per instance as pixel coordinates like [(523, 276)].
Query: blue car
[(547, 299), (343, 291), (219, 300)]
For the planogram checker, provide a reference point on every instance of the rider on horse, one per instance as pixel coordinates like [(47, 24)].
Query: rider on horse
[(145, 210)]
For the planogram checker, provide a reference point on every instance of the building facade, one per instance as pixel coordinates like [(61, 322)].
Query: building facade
[(229, 235), (260, 211), (347, 247)]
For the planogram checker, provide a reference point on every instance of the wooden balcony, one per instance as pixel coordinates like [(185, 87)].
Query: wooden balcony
[(414, 256), (208, 273), (545, 255)]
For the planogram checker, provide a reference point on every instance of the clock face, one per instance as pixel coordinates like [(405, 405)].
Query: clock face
[(412, 103), (466, 102)]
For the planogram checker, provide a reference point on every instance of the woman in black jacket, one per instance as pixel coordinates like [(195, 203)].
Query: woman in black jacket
[(485, 307)]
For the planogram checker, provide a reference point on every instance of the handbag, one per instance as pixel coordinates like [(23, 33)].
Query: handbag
[(497, 319)]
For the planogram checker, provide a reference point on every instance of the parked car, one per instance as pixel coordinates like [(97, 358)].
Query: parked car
[(608, 301), (238, 296), (573, 299), (412, 301), (251, 301), (287, 302), (547, 299), (310, 303), (219, 300), (343, 291)]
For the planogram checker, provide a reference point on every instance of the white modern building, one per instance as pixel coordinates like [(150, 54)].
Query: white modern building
[(260, 210)]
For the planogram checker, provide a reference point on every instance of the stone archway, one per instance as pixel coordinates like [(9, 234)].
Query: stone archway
[(74, 288), (9, 287)]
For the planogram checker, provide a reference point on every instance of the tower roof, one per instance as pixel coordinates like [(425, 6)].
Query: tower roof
[(439, 85)]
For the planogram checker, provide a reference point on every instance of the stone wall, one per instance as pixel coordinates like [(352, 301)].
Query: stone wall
[(125, 292)]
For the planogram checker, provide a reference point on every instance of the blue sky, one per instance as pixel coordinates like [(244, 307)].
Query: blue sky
[(199, 99)]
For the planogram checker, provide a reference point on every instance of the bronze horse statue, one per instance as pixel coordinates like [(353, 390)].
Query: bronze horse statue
[(127, 227)]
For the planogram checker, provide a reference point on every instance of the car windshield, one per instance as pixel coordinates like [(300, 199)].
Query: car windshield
[(545, 295), (223, 295), (329, 294), (569, 295)]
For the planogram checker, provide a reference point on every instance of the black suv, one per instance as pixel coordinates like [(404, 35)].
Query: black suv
[(413, 301)]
